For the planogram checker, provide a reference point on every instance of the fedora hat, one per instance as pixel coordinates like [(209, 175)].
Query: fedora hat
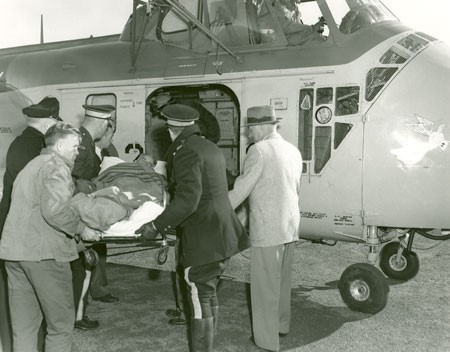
[(46, 108), (261, 115)]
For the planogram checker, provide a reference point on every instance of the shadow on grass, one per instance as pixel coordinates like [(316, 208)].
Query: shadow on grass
[(138, 322)]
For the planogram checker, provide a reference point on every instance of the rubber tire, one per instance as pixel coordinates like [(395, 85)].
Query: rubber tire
[(373, 279), (412, 262)]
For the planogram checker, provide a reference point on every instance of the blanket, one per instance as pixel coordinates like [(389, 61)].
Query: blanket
[(128, 194)]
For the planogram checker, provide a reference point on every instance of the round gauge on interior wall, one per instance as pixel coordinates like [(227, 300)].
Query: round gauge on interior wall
[(323, 115)]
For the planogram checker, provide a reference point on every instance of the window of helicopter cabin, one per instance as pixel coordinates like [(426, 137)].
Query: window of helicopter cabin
[(318, 132), (347, 100), (177, 30), (323, 134), (322, 147), (233, 22), (104, 99), (239, 23), (299, 23), (340, 132), (305, 126), (376, 79), (352, 15), (174, 23)]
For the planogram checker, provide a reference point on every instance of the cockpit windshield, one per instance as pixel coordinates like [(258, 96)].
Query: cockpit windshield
[(352, 15), (205, 25), (242, 23)]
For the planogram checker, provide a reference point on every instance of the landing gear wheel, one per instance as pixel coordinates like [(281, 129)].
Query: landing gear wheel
[(405, 268), (364, 288), (162, 255)]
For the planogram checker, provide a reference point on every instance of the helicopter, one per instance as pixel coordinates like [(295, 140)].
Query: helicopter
[(363, 97)]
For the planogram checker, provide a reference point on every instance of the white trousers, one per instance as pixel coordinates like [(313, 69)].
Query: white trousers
[(270, 286)]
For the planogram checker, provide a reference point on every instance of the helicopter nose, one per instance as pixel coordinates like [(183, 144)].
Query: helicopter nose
[(406, 152)]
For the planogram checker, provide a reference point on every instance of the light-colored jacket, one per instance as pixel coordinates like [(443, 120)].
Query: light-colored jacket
[(41, 223), (271, 181)]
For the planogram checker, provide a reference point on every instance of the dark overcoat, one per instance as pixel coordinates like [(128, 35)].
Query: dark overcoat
[(210, 230), (87, 163), (23, 149)]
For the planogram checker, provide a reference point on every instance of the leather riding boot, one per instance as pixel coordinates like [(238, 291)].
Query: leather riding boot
[(202, 331), (215, 313)]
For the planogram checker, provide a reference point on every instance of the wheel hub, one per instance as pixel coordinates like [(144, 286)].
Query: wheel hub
[(359, 290), (397, 264)]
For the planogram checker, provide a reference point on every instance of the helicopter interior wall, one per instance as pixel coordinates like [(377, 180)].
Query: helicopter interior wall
[(219, 100)]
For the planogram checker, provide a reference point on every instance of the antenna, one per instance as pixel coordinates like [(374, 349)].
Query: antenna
[(42, 29)]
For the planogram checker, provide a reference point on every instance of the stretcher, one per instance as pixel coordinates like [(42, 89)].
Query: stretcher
[(162, 243)]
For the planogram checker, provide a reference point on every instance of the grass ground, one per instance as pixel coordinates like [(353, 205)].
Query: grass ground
[(416, 319)]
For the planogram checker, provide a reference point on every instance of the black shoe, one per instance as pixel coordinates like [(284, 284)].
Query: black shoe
[(283, 334), (173, 313), (177, 321), (108, 298), (86, 324)]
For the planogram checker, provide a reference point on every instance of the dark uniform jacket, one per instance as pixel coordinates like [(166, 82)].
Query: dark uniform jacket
[(87, 163), (24, 148), (210, 230)]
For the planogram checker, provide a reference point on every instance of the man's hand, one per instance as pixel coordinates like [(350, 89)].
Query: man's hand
[(90, 235), (147, 231), (319, 27)]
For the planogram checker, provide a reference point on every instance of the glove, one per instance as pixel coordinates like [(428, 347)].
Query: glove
[(147, 231), (90, 235)]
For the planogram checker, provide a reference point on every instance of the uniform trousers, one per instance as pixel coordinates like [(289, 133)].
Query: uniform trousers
[(202, 283), (99, 279), (5, 320), (178, 282), (37, 290), (78, 282), (270, 287)]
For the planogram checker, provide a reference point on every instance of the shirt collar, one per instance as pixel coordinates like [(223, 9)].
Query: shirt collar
[(59, 160), (272, 136)]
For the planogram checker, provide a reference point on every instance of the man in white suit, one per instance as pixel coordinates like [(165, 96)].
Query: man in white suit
[(271, 182)]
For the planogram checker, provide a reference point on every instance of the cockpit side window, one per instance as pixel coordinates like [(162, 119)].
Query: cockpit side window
[(239, 23), (300, 22), (353, 15), (174, 23)]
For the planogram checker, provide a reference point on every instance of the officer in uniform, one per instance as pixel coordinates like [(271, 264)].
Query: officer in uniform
[(40, 117), (210, 231), (87, 166), (27, 146)]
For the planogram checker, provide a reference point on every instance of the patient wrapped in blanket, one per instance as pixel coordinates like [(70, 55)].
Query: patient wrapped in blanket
[(128, 195)]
